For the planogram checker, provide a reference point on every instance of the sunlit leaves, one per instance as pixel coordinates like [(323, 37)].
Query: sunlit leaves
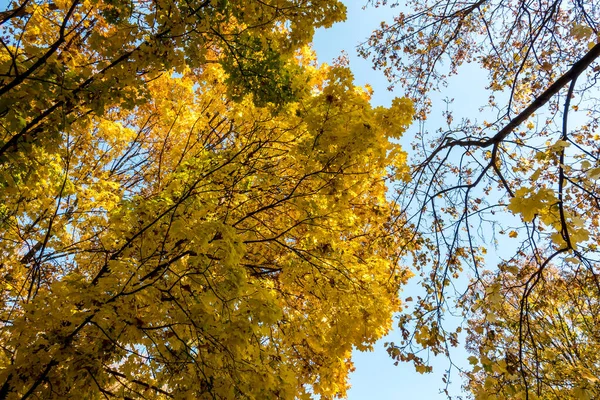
[(63, 60), (192, 246), (560, 345)]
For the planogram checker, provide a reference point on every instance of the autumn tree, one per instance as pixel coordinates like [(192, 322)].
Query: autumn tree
[(521, 177), (63, 60), (561, 342), (191, 207)]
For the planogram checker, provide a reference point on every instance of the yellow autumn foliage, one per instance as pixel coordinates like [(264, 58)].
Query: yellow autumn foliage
[(159, 240)]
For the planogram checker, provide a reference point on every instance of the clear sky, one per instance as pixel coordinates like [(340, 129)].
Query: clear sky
[(376, 377)]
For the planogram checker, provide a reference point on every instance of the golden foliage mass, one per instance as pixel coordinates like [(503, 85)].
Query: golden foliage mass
[(160, 240)]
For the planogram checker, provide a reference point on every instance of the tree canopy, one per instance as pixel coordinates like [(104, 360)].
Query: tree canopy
[(522, 177), (191, 206)]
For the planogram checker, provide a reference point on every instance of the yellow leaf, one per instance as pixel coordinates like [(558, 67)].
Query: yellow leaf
[(585, 373), (585, 164), (593, 173)]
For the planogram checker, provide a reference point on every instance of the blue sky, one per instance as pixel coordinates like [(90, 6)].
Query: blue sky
[(376, 377)]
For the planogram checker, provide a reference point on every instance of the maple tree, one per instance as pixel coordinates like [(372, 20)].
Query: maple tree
[(62, 60), (522, 177), (561, 343), (191, 207)]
